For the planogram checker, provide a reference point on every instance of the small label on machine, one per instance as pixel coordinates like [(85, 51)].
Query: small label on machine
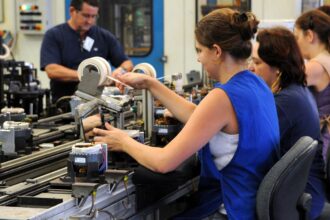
[(80, 160), (162, 131)]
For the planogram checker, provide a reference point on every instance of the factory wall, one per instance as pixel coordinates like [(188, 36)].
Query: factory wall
[(179, 22), (27, 47)]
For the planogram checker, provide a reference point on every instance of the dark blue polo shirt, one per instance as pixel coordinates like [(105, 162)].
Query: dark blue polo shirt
[(298, 116), (62, 45)]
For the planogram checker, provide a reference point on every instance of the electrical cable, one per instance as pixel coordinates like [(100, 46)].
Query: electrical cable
[(93, 203), (115, 183), (108, 213), (126, 205)]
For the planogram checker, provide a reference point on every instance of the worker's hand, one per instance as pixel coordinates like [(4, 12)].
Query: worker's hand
[(118, 72), (115, 74), (136, 80), (91, 122), (113, 137), (89, 135)]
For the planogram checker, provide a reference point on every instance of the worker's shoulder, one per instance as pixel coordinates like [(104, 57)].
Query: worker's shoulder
[(102, 31), (60, 28)]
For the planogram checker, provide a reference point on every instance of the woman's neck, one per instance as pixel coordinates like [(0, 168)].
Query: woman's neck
[(231, 68), (316, 50)]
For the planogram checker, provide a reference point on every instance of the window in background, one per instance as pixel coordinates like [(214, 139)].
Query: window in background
[(209, 5), (131, 22), (309, 4)]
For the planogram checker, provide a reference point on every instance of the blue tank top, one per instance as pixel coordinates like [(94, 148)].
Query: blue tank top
[(236, 184)]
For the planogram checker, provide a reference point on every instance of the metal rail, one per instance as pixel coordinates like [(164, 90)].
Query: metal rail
[(29, 186), (32, 165)]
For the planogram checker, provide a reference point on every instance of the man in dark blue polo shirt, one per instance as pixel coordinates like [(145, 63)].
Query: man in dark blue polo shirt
[(66, 45)]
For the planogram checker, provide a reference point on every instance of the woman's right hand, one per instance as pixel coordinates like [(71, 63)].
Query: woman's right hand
[(115, 138), (136, 80)]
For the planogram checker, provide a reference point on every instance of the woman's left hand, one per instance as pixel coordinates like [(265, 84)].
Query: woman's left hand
[(113, 137)]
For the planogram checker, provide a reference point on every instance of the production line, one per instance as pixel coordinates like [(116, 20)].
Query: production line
[(51, 170), (164, 109)]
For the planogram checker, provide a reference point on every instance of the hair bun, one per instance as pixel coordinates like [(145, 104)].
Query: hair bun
[(240, 18), (246, 24)]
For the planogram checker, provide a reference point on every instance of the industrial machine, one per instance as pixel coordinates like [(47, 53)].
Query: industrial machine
[(94, 104), (164, 129), (16, 137), (20, 87), (133, 110), (78, 179), (12, 114), (87, 162), (19, 84), (20, 136)]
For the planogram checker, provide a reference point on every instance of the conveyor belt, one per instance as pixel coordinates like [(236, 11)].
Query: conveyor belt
[(55, 118), (121, 203), (35, 164), (50, 136), (29, 187)]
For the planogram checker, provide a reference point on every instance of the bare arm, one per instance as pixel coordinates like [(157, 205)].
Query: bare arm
[(177, 105), (316, 75), (59, 72), (215, 108)]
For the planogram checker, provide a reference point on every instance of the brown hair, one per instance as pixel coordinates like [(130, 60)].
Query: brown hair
[(278, 48), (318, 22), (325, 9), (231, 30), (77, 4)]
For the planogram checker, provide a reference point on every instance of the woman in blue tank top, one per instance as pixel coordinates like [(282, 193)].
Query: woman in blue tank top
[(234, 128)]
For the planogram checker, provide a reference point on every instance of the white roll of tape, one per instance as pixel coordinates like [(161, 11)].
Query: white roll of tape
[(12, 110), (15, 125), (145, 68), (79, 149), (102, 66)]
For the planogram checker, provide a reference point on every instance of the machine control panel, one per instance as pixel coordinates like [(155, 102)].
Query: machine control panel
[(34, 16)]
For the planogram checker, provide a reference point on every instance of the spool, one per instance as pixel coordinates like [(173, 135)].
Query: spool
[(102, 66), (145, 68)]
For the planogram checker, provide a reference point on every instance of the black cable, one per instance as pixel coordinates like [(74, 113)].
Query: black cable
[(62, 99)]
